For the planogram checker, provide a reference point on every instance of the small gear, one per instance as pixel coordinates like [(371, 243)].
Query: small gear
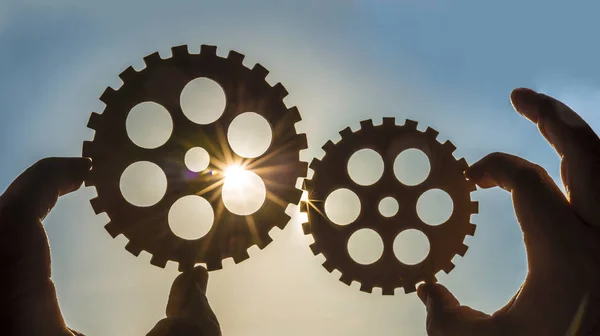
[(162, 81), (389, 140)]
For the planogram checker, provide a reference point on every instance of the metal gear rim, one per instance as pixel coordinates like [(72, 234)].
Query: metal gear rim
[(112, 151), (389, 139)]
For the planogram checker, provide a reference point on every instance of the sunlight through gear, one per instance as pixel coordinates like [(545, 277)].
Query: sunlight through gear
[(203, 93), (441, 171), (244, 192)]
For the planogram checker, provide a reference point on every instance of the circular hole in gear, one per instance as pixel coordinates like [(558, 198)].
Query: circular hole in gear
[(365, 246), (243, 191), (197, 159), (365, 167), (143, 183), (191, 217), (435, 207), (388, 207), (411, 167), (411, 246), (203, 101), (249, 135), (149, 125), (342, 206)]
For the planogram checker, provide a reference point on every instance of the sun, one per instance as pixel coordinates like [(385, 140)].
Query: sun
[(235, 174)]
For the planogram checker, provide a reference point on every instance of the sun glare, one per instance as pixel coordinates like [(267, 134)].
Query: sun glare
[(235, 174)]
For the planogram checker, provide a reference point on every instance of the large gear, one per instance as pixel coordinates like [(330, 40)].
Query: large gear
[(389, 140), (162, 81)]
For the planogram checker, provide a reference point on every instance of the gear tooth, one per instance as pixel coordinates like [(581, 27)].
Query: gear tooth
[(328, 146), (87, 149), (185, 266), (293, 196), (302, 168), (280, 91), (315, 164), (471, 229), (152, 59), (96, 203), (214, 264), (306, 228), (235, 57), (108, 95), (410, 124), (472, 187), (240, 256), (449, 146), (366, 288), (387, 291), (180, 51), (346, 279), (346, 132), (462, 164), (327, 265), (127, 74), (432, 133), (449, 267), (389, 122), (308, 185), (113, 229), (302, 141), (294, 114), (409, 288), (282, 224), (462, 250), (260, 71), (208, 50), (133, 248), (94, 121), (314, 247), (89, 181), (474, 207), (264, 240), (366, 124)]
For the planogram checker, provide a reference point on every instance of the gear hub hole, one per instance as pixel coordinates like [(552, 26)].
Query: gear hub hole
[(342, 206), (249, 135), (365, 167), (412, 167), (243, 191), (191, 217), (143, 183), (388, 207), (365, 246), (197, 159), (149, 125), (435, 207), (203, 101), (411, 247)]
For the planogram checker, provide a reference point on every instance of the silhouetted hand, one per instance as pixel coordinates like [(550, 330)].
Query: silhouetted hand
[(28, 304), (561, 293)]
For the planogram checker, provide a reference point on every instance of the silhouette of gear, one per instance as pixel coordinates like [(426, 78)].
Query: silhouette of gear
[(389, 140), (162, 82)]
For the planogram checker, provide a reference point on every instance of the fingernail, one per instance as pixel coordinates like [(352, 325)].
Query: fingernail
[(201, 277), (527, 103)]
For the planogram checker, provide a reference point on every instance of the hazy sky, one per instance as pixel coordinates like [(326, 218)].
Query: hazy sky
[(449, 65)]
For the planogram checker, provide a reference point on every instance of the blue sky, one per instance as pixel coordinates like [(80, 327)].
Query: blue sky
[(449, 65)]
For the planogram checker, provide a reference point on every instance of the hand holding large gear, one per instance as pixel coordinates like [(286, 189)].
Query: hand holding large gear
[(331, 174), (162, 82)]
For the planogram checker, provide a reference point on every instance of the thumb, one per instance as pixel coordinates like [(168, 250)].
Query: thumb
[(187, 301), (36, 191), (445, 315)]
